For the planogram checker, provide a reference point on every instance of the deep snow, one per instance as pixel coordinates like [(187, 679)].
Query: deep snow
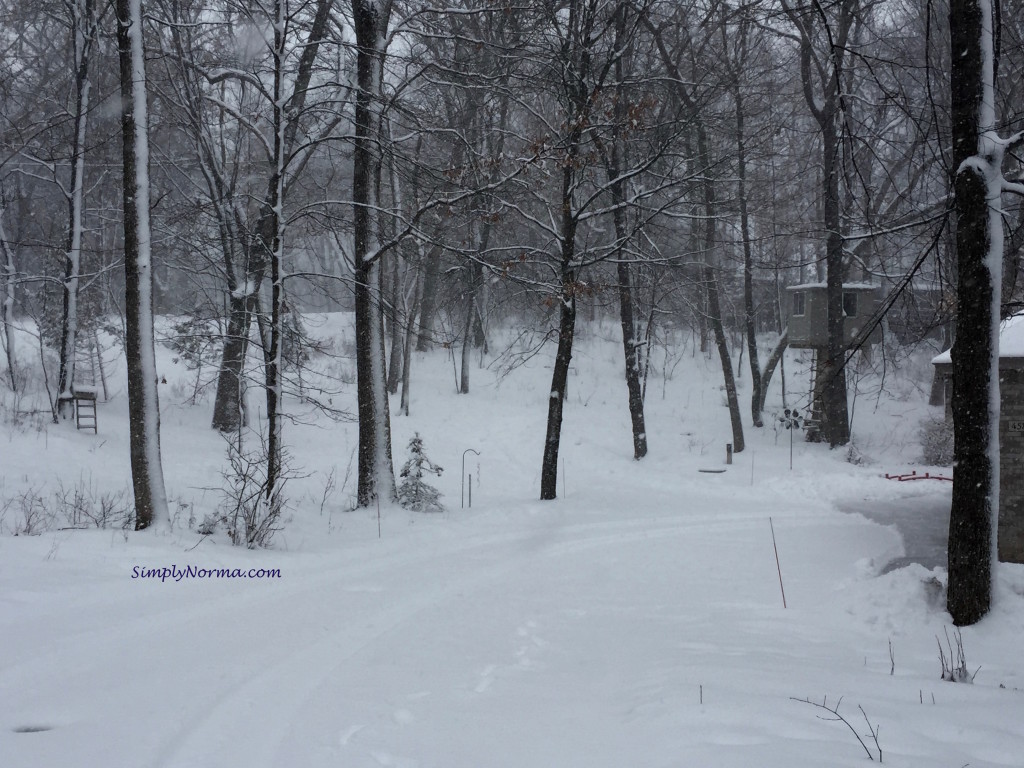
[(636, 621)]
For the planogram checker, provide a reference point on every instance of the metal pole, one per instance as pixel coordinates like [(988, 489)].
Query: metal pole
[(462, 499), (470, 490)]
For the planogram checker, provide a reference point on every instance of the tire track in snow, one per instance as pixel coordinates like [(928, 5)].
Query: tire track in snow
[(276, 694)]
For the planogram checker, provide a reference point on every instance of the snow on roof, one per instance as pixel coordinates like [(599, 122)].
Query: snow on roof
[(1011, 340), (846, 286)]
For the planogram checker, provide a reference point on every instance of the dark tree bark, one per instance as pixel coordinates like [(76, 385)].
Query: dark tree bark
[(410, 338), (736, 61), (143, 405), (822, 77), (714, 302), (713, 315), (835, 411), (376, 475), (395, 325), (566, 335), (970, 524), (228, 403), (749, 316), (711, 287), (262, 241), (467, 336), (770, 366), (428, 307), (617, 187), (271, 246)]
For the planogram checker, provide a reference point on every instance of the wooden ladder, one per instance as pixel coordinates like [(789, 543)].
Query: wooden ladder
[(83, 388), (85, 407)]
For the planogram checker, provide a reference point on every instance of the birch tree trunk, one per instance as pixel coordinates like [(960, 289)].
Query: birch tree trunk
[(143, 404)]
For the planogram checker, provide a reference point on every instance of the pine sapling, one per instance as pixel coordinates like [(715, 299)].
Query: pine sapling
[(413, 492)]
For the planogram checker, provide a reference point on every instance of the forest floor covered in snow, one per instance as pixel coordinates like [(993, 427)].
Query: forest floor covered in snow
[(635, 622)]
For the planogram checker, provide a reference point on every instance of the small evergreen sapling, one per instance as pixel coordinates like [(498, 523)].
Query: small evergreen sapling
[(413, 493)]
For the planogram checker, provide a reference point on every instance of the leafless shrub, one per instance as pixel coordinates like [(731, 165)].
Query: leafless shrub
[(83, 506), (250, 512), (26, 514), (834, 716), (954, 666)]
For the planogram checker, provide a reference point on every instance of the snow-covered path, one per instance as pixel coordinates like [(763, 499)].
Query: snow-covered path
[(922, 522), (561, 640)]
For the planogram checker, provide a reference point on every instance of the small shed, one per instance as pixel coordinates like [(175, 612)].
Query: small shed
[(1011, 433), (807, 313)]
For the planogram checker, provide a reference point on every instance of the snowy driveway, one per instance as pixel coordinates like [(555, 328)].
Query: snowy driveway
[(922, 522)]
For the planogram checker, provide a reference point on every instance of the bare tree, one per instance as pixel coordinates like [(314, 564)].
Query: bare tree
[(376, 474), (979, 153), (10, 275), (143, 404), (823, 34), (704, 169), (84, 20)]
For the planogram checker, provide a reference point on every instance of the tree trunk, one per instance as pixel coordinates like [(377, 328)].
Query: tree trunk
[(711, 288), (467, 340), (143, 404), (83, 31), (835, 411), (822, 70), (428, 307), (566, 334), (559, 385), (974, 356), (630, 342), (410, 338), (715, 312), (770, 365), (272, 246), (228, 404), (8, 304), (376, 475), (396, 326), (749, 316), (479, 332)]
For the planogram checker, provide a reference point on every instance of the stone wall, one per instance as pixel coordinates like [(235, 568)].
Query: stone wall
[(1011, 463), (1011, 454)]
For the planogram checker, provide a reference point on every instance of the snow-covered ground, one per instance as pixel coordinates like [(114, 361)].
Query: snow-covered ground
[(636, 621)]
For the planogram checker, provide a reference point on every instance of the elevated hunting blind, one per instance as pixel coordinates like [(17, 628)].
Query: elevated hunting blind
[(807, 320), (807, 314)]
